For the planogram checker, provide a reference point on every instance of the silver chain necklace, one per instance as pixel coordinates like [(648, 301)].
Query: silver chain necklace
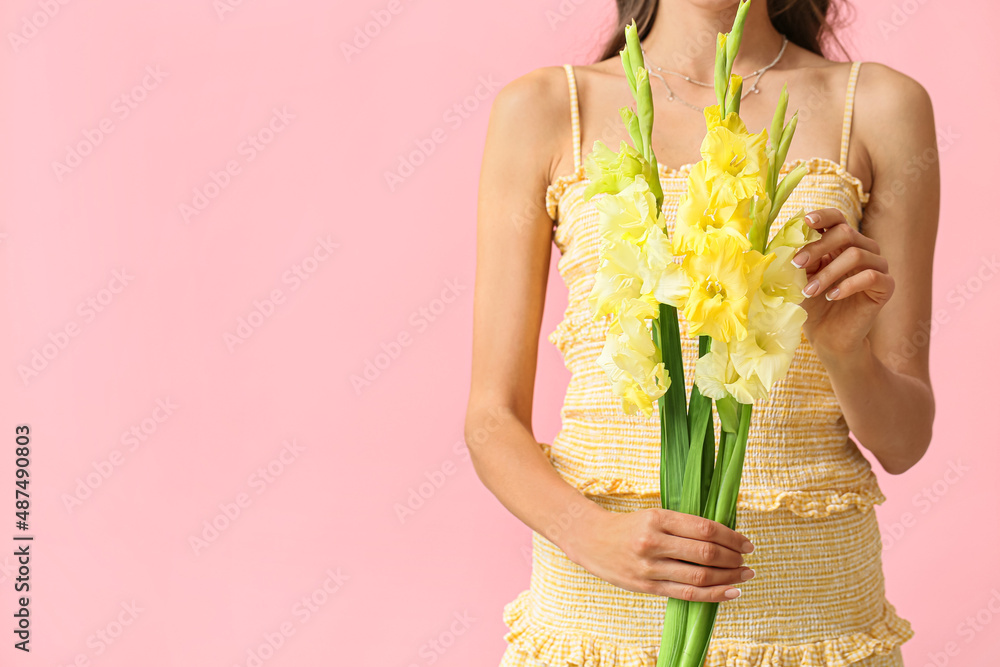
[(658, 73)]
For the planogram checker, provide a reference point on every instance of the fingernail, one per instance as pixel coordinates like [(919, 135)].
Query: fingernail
[(747, 547), (832, 294), (747, 574), (800, 260), (733, 593), (812, 219), (811, 288)]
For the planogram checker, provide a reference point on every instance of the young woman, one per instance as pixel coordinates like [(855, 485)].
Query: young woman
[(807, 552)]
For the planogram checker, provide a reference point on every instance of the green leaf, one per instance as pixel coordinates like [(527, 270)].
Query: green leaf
[(674, 441), (693, 491), (708, 448), (725, 447), (674, 626), (728, 414), (698, 633), (725, 508)]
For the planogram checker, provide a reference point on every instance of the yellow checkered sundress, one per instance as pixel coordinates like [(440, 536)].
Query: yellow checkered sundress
[(806, 498)]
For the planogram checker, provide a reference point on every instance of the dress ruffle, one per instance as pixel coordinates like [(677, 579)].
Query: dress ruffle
[(577, 649), (810, 504), (815, 165), (882, 637), (562, 649), (803, 503), (554, 192)]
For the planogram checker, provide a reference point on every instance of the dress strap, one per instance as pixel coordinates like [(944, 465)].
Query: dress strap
[(574, 108), (845, 137)]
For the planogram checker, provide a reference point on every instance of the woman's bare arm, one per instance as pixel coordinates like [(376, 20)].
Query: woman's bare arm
[(513, 248), (653, 551), (882, 381)]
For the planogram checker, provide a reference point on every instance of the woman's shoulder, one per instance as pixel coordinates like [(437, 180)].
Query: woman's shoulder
[(538, 95), (532, 112), (887, 89), (893, 116)]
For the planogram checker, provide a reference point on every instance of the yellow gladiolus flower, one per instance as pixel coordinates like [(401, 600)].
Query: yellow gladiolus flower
[(782, 280), (723, 280), (618, 277), (701, 214), (662, 277), (633, 324), (733, 122), (766, 353), (738, 161), (611, 172), (628, 214), (622, 384), (629, 357), (717, 377), (795, 233)]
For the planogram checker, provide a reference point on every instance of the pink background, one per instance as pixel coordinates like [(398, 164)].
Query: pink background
[(127, 305)]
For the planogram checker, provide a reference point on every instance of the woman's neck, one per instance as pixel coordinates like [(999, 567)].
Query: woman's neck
[(684, 35)]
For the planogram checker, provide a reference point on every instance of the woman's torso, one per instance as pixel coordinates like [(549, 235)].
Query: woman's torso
[(805, 501), (799, 453)]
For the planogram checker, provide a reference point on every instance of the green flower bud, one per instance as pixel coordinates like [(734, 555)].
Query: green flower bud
[(778, 122), (785, 188), (629, 72), (632, 125), (786, 138), (721, 78), (736, 34)]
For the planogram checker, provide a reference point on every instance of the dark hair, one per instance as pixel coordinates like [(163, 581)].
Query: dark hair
[(810, 24)]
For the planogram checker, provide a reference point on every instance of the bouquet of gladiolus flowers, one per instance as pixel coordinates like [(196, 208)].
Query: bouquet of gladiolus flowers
[(738, 290)]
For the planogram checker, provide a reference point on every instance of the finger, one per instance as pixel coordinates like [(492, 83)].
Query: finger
[(669, 569), (672, 589), (700, 528), (851, 260), (835, 238), (823, 219), (876, 284), (699, 552)]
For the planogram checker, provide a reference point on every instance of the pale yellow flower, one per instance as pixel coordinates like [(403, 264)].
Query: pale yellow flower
[(701, 213), (774, 334), (629, 357), (794, 233), (628, 214), (782, 281), (662, 277), (723, 280), (733, 122), (738, 160), (618, 277), (622, 384), (717, 377), (611, 172)]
